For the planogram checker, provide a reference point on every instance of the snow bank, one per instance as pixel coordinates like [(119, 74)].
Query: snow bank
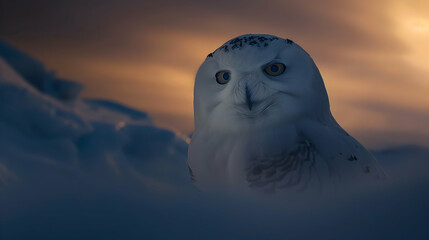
[(45, 132), (73, 168)]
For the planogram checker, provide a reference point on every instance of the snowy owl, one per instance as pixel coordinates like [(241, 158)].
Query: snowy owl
[(263, 122)]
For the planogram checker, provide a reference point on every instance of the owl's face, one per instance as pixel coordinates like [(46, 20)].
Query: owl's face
[(254, 81)]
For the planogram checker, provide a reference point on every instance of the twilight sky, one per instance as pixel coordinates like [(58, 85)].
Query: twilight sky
[(374, 57)]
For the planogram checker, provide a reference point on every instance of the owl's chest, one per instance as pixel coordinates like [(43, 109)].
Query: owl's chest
[(223, 160)]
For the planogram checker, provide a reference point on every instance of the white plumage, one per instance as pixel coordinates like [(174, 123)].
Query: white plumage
[(263, 122)]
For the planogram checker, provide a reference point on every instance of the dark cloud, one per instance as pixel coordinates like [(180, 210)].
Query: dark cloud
[(110, 25)]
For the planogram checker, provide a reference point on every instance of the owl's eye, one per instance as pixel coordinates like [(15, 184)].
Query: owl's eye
[(223, 77), (275, 69)]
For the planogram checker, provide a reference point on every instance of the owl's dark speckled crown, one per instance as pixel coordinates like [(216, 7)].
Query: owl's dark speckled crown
[(254, 40)]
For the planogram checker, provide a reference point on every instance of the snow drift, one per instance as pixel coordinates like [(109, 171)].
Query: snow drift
[(44, 124), (73, 168)]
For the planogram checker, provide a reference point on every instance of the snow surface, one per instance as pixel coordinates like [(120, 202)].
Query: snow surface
[(73, 168)]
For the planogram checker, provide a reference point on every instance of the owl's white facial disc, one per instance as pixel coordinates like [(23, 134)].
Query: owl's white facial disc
[(254, 81)]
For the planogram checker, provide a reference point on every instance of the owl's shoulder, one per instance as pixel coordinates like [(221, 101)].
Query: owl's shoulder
[(321, 154), (339, 149)]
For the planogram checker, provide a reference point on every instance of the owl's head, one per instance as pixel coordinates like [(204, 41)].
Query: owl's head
[(254, 81)]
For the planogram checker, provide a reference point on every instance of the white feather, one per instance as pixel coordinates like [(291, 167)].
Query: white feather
[(270, 133)]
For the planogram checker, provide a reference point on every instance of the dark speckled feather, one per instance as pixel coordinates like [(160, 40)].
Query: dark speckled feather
[(285, 170)]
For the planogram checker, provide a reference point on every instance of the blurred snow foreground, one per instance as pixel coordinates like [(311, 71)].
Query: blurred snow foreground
[(73, 168)]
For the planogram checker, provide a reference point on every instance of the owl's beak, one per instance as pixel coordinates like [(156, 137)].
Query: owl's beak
[(249, 98)]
